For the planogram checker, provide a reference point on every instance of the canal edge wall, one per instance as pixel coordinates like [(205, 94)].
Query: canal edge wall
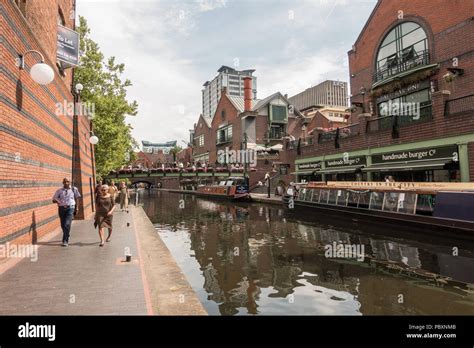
[(170, 292), (255, 197)]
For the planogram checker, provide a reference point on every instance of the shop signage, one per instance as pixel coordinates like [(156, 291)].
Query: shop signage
[(417, 155), (67, 46), (404, 91), (346, 161), (309, 165)]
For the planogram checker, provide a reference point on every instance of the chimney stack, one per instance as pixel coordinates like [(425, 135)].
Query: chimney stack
[(247, 93)]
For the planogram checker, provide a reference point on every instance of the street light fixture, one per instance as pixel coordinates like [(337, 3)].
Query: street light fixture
[(93, 139), (41, 72)]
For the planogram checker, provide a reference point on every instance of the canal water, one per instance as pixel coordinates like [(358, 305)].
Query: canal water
[(258, 259)]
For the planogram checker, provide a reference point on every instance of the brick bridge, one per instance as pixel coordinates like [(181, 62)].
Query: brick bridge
[(172, 178)]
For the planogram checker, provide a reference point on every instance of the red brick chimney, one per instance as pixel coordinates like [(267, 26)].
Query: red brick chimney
[(247, 93)]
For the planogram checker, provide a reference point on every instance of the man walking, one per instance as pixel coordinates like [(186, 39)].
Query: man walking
[(267, 183), (66, 198)]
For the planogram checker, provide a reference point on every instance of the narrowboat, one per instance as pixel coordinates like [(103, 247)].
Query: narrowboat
[(432, 205), (230, 188)]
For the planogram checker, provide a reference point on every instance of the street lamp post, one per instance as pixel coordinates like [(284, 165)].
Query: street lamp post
[(246, 179), (75, 138)]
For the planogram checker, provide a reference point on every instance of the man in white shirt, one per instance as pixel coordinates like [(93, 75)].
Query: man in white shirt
[(66, 198)]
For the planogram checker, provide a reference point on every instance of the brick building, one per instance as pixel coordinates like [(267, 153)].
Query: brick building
[(265, 122), (36, 140), (412, 79)]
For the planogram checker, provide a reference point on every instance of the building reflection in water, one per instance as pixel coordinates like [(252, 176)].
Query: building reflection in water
[(257, 259)]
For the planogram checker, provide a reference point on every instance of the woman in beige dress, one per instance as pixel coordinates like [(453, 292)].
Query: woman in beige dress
[(124, 196), (105, 207)]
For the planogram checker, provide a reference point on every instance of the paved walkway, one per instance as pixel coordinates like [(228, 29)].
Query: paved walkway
[(85, 279), (80, 279)]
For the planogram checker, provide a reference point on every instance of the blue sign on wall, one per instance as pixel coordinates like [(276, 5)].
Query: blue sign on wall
[(67, 47)]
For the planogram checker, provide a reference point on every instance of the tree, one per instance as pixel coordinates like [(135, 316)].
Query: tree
[(104, 88), (174, 151)]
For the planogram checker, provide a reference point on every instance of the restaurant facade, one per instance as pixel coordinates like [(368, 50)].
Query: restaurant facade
[(412, 102)]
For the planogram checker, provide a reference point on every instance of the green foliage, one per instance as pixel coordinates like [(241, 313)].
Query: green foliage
[(175, 150), (103, 86)]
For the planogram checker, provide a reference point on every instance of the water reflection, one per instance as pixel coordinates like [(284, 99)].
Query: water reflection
[(257, 259)]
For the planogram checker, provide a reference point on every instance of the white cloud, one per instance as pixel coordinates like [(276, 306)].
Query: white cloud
[(209, 5)]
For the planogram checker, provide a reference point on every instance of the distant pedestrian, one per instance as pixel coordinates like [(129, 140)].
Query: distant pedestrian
[(66, 199), (124, 196), (267, 183), (105, 207), (113, 190)]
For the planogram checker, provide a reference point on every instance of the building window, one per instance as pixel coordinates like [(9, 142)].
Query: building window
[(200, 141), (61, 20), (404, 47), (224, 134), (279, 113), (408, 108), (223, 114), (277, 131), (21, 4)]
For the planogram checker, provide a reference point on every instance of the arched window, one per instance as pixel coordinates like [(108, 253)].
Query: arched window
[(403, 48)]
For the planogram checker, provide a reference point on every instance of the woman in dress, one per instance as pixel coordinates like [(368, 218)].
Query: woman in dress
[(124, 196), (105, 207)]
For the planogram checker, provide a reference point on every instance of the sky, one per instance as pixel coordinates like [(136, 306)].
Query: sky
[(171, 47)]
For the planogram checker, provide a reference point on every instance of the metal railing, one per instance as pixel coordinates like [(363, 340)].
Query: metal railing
[(400, 64), (459, 106)]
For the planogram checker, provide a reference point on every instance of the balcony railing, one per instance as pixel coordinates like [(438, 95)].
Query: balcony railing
[(459, 106), (399, 64)]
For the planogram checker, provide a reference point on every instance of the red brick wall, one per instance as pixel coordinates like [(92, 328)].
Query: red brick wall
[(450, 35), (231, 117), (35, 141), (209, 138), (450, 29)]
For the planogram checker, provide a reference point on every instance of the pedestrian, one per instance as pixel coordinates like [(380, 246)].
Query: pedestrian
[(104, 209), (267, 183), (113, 190), (124, 196), (66, 199)]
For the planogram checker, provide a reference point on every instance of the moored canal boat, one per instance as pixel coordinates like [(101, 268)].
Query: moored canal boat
[(437, 205), (232, 188)]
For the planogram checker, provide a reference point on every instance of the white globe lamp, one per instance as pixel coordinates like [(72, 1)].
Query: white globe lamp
[(42, 73)]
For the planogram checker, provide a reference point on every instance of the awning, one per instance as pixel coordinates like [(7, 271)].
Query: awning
[(253, 146), (305, 172), (350, 169), (406, 166), (277, 147)]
